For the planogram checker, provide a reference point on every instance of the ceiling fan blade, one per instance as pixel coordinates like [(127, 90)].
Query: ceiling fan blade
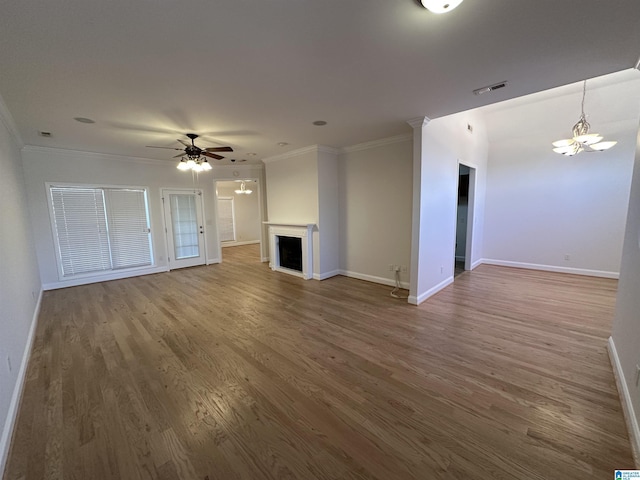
[(168, 148), (218, 149), (212, 155), (186, 144)]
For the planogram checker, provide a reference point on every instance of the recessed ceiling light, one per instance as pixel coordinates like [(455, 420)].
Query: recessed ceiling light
[(490, 88), (84, 120), (45, 134), (282, 144), (319, 123)]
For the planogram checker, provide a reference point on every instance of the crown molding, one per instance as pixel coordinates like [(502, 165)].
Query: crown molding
[(377, 143), (95, 156), (302, 151), (8, 121), (248, 166), (419, 122)]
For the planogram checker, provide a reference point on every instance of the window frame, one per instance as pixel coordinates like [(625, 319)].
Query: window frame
[(99, 274)]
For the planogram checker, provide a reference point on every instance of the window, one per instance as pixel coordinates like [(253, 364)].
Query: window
[(100, 229)]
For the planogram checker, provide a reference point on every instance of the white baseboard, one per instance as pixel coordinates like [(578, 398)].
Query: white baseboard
[(627, 404), (237, 244), (372, 278), (14, 406), (477, 263), (413, 300), (211, 261), (551, 268), (324, 276), (103, 278), (264, 259)]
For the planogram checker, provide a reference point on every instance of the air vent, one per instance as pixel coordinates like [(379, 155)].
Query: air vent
[(45, 134), (490, 88)]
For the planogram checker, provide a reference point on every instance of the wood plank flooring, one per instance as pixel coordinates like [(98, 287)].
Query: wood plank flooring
[(232, 371)]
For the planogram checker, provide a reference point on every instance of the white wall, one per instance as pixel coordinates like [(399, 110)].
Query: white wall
[(375, 182), (19, 281), (328, 214), (293, 192), (248, 222), (64, 166), (541, 205), (439, 146), (625, 336)]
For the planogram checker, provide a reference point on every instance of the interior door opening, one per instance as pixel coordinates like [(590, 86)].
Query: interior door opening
[(239, 220), (464, 219)]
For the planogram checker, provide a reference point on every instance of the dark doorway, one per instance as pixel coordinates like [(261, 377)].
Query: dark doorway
[(462, 217)]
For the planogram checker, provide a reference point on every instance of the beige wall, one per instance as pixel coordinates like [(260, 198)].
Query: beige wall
[(375, 186), (19, 281)]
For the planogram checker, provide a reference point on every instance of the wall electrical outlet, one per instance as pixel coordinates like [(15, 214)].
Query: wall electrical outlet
[(567, 257), (441, 269), (396, 268), (9, 363)]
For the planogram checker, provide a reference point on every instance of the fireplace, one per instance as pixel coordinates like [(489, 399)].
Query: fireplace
[(290, 252), (290, 248)]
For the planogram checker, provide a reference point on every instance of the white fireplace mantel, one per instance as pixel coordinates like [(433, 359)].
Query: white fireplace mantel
[(304, 231)]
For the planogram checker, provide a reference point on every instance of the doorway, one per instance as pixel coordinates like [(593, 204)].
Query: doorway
[(239, 219), (184, 227), (464, 219)]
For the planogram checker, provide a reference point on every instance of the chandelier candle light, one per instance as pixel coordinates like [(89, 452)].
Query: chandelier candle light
[(243, 190), (582, 140)]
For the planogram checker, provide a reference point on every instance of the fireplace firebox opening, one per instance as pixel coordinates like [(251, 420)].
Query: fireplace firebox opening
[(290, 252)]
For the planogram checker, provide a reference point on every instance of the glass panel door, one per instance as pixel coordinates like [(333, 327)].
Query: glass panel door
[(185, 228)]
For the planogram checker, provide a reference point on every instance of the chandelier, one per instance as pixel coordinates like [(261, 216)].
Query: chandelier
[(582, 140), (195, 163), (243, 190)]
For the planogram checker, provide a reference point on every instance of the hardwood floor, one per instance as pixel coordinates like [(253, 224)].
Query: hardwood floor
[(232, 371)]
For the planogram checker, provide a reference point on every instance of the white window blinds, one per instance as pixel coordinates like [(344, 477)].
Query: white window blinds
[(226, 223), (100, 229), (128, 228)]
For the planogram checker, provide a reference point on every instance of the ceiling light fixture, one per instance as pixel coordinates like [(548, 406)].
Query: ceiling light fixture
[(194, 162), (243, 190), (440, 6), (319, 123), (84, 120), (582, 140)]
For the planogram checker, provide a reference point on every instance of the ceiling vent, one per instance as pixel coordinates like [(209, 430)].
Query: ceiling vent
[(45, 134), (490, 88)]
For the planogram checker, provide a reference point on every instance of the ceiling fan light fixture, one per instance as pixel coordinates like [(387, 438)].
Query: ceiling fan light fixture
[(602, 146), (182, 165), (440, 6)]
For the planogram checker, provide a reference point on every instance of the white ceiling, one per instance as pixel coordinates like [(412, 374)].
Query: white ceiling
[(250, 74)]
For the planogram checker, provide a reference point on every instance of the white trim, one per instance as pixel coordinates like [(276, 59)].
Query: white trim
[(113, 275), (211, 261), (9, 122), (476, 264), (264, 259), (419, 122), (405, 137), (324, 276), (413, 300), (302, 151), (627, 404), (98, 156), (552, 268), (374, 279), (14, 406), (302, 231), (237, 244)]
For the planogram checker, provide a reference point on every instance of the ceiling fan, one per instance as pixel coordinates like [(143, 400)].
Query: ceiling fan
[(193, 152)]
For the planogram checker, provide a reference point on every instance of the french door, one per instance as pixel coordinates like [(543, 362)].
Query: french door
[(184, 226)]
